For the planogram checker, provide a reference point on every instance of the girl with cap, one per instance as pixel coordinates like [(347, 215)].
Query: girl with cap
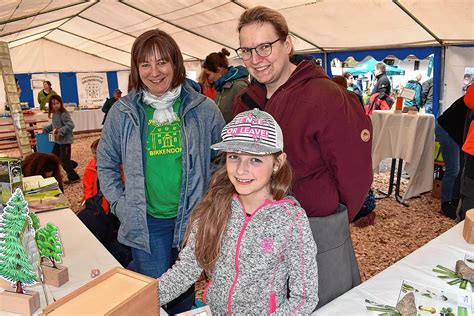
[(250, 238)]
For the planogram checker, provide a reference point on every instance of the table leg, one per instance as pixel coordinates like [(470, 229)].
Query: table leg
[(393, 183), (384, 195), (398, 197)]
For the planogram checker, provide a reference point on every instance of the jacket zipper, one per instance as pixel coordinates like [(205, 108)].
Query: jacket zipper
[(237, 252)]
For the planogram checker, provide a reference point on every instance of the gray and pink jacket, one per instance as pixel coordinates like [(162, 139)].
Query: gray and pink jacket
[(263, 257)]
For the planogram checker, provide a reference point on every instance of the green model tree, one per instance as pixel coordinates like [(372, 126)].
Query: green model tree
[(49, 244), (14, 264)]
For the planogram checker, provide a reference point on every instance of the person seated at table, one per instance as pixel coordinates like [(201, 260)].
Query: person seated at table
[(95, 213), (62, 127), (45, 165), (109, 102), (45, 94)]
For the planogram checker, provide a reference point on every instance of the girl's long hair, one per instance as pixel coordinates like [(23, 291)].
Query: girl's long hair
[(212, 215), (50, 107)]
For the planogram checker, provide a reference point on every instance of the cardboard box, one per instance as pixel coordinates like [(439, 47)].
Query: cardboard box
[(436, 192), (116, 292), (10, 177)]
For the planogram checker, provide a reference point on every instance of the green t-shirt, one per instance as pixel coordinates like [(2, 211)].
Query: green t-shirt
[(163, 170)]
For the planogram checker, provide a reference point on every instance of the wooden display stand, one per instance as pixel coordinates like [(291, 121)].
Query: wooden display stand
[(116, 292), (468, 231), (55, 277), (13, 99), (24, 304)]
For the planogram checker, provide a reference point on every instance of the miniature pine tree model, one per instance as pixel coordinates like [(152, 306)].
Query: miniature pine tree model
[(49, 244), (14, 264)]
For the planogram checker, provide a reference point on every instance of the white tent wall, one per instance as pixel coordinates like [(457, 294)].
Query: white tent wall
[(122, 78), (456, 60)]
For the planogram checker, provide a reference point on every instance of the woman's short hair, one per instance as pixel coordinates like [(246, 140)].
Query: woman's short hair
[(262, 15), (347, 75), (48, 83), (150, 43), (215, 60)]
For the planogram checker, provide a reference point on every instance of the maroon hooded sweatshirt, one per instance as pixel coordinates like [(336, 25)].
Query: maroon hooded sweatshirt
[(327, 137)]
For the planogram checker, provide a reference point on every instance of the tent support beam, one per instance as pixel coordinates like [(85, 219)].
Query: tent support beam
[(67, 18), (121, 32), (90, 54), (39, 25), (41, 13), (25, 37), (93, 41), (108, 27), (176, 25), (414, 18), (292, 33)]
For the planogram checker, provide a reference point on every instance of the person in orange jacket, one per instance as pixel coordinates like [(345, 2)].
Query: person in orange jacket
[(90, 181), (467, 180)]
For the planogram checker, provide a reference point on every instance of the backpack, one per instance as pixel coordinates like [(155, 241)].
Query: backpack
[(377, 104), (416, 101)]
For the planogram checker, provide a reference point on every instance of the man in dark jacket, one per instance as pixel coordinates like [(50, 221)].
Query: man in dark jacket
[(109, 102), (382, 84), (427, 95)]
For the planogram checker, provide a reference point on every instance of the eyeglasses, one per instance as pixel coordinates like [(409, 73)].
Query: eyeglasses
[(262, 50)]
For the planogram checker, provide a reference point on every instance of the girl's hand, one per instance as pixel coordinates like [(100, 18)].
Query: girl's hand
[(56, 133)]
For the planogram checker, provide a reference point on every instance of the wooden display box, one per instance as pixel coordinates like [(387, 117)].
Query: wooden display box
[(24, 304), (468, 228), (116, 292), (55, 277)]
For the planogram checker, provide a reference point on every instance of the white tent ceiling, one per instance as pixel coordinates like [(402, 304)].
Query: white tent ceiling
[(43, 34)]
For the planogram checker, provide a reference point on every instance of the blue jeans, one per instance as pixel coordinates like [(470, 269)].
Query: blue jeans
[(161, 257), (451, 153)]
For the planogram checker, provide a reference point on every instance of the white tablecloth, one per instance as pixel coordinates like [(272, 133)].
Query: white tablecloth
[(408, 137), (384, 287), (87, 120), (84, 120)]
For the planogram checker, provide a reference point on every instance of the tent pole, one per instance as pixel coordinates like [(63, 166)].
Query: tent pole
[(175, 25), (417, 21)]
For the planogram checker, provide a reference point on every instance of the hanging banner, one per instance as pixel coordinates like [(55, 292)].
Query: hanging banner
[(92, 88)]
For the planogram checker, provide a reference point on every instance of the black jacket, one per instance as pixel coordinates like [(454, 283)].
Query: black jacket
[(383, 86)]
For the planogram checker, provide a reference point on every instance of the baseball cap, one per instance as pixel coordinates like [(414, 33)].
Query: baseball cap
[(254, 132), (117, 90)]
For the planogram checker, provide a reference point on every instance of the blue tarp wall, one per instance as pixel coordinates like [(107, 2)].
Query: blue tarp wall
[(68, 83), (400, 53)]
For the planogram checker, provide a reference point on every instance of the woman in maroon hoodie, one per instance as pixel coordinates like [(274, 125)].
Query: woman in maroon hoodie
[(329, 140)]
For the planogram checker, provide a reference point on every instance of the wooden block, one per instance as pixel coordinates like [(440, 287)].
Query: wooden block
[(468, 230), (436, 191), (55, 277), (116, 292), (24, 304)]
